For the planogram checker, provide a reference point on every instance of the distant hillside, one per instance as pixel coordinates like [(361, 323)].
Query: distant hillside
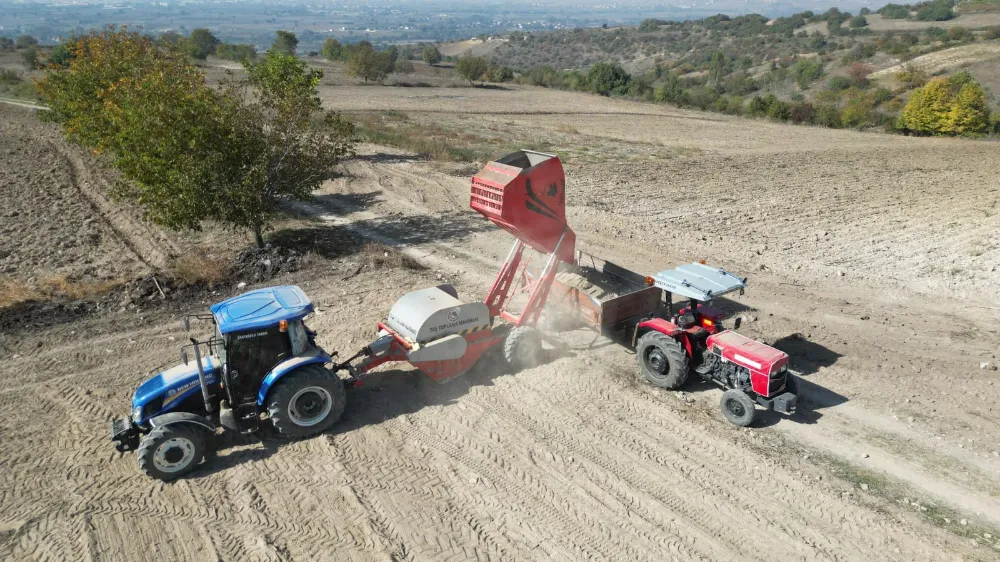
[(756, 37), (834, 69)]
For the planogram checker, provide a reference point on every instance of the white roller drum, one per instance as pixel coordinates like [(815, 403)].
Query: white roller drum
[(431, 314)]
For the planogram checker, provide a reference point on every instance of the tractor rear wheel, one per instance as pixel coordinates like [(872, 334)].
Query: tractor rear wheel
[(662, 360), (307, 401), (171, 451), (738, 407), (523, 348)]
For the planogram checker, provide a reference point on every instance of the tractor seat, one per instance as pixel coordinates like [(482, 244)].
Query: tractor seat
[(685, 321)]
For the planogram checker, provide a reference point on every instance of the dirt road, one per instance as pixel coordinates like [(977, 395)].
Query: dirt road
[(843, 235)]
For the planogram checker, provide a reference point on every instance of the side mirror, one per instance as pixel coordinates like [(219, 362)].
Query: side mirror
[(184, 356), (187, 323), (737, 322)]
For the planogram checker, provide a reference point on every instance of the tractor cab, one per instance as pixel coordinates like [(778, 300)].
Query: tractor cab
[(255, 332)]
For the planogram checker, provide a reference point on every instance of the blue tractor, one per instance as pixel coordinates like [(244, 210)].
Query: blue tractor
[(261, 360)]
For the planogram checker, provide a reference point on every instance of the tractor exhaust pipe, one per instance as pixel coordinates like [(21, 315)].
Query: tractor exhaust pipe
[(201, 376)]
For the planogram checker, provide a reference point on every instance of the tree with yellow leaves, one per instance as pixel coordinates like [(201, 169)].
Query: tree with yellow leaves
[(947, 106)]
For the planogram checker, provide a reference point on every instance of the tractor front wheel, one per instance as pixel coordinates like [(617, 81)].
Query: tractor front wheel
[(523, 348), (738, 407), (171, 451), (662, 360), (307, 401)]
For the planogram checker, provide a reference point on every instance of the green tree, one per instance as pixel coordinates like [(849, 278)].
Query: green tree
[(332, 49), (284, 146), (236, 52), (25, 42), (365, 63), (285, 42), (894, 12), (29, 57), (472, 68), (60, 55), (718, 68), (190, 152), (858, 21), (431, 55), (608, 78), (500, 74), (201, 44)]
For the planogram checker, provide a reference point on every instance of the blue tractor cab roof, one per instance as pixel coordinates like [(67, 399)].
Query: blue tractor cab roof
[(261, 308)]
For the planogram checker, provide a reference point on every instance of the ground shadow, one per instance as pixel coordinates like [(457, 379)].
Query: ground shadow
[(380, 397), (333, 241), (805, 357), (386, 158)]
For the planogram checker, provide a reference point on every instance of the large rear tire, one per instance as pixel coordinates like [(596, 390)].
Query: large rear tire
[(662, 360), (523, 348), (738, 408), (171, 451), (307, 401)]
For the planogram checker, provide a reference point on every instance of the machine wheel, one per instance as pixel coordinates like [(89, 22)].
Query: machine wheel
[(738, 407), (523, 348), (171, 451), (662, 360), (306, 401)]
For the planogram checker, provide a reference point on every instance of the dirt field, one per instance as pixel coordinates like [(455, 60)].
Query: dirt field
[(872, 260)]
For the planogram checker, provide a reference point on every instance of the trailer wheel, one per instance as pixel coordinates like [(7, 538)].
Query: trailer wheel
[(171, 451), (662, 360), (738, 407), (523, 348), (307, 401)]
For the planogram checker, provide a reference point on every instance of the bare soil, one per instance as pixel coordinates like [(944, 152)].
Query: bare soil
[(873, 262)]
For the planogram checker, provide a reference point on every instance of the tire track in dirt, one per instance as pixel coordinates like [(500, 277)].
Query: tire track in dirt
[(585, 535), (148, 247)]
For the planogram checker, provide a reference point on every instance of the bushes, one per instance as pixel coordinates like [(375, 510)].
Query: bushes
[(858, 72), (911, 76), (608, 78), (236, 52), (937, 10), (807, 71), (838, 83), (952, 106), (894, 12), (858, 21)]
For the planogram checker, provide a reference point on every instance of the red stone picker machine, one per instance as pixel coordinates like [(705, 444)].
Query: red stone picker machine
[(524, 193), (433, 330)]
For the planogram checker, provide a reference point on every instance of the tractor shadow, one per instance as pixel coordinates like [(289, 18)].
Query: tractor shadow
[(806, 358), (383, 396)]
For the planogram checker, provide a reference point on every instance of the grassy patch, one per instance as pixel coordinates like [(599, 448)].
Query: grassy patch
[(380, 256), (430, 140), (14, 85), (13, 291), (201, 266)]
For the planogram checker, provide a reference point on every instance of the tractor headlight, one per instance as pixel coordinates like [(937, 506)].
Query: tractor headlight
[(137, 414)]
